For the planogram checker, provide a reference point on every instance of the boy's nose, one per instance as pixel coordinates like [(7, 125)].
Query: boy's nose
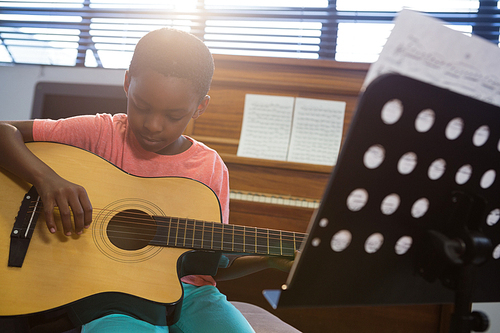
[(153, 124)]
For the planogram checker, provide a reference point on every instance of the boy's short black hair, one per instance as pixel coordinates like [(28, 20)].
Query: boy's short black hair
[(175, 53)]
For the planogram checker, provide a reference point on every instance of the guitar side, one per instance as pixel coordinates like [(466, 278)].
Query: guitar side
[(60, 270)]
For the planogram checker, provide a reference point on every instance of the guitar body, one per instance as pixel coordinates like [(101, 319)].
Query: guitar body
[(89, 274)]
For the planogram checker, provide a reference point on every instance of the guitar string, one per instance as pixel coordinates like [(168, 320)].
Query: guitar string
[(228, 246), (252, 247), (186, 237), (140, 220), (239, 231)]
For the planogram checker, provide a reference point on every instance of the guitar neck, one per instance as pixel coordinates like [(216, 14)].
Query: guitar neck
[(202, 235)]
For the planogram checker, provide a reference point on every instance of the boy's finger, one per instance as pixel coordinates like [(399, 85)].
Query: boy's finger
[(78, 216), (87, 209), (65, 214), (49, 218)]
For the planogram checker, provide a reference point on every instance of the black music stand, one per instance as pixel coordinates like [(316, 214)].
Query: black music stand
[(411, 211)]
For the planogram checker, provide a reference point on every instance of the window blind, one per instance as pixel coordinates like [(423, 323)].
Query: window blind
[(103, 33)]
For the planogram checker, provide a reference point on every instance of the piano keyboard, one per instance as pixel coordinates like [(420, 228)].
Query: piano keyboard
[(274, 199)]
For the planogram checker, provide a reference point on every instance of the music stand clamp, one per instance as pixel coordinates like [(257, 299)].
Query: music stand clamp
[(453, 257), (410, 214)]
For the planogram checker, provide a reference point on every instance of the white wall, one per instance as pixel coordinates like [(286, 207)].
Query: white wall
[(17, 84)]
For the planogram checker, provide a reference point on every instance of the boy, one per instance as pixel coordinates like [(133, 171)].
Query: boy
[(166, 86)]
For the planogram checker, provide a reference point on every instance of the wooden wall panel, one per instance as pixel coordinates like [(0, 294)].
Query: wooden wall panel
[(237, 76)]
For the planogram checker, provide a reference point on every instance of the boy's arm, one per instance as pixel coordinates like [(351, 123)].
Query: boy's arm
[(53, 190), (246, 265)]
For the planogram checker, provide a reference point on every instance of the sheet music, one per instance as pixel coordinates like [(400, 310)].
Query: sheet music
[(302, 130), (266, 127), (423, 48), (316, 131)]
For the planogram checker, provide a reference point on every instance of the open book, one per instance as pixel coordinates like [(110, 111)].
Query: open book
[(293, 129)]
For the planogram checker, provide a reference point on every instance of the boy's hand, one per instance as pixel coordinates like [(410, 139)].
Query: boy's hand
[(281, 263), (71, 199), (53, 190)]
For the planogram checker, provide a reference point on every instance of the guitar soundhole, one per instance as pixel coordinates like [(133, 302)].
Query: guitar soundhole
[(131, 229)]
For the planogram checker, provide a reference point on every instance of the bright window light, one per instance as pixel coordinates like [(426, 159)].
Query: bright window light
[(44, 56), (266, 39), (264, 32), (295, 55), (40, 18), (4, 54), (361, 42), (43, 3), (31, 31), (146, 4), (115, 59), (90, 60), (419, 5), (269, 3)]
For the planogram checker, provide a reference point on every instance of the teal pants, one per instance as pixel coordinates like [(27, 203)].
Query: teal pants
[(204, 309)]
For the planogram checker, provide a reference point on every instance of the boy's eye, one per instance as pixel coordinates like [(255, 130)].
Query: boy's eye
[(172, 118), (139, 107)]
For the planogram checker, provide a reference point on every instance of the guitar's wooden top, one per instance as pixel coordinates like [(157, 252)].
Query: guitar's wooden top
[(58, 269)]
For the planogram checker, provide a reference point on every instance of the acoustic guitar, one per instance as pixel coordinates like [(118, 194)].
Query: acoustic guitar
[(146, 234)]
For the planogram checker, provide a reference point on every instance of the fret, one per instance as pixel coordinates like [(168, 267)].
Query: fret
[(221, 235), (189, 235), (249, 245), (198, 234), (180, 239), (239, 239), (162, 228), (228, 238), (299, 238), (218, 229), (274, 242), (207, 235), (172, 231), (262, 241), (288, 243)]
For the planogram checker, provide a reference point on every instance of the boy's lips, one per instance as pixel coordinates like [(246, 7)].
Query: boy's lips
[(150, 140), (152, 143)]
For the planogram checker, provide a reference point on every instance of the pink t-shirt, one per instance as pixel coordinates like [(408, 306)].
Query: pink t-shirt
[(109, 137)]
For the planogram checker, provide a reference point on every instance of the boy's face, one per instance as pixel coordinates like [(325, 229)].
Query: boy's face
[(159, 109)]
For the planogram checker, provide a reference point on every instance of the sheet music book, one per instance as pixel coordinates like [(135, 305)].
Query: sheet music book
[(302, 130), (423, 48), (266, 128)]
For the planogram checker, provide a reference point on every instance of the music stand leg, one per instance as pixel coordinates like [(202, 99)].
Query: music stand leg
[(463, 320)]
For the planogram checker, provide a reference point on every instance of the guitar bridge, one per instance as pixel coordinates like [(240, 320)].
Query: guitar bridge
[(23, 228)]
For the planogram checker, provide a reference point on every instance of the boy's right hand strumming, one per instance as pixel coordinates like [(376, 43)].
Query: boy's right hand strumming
[(70, 199)]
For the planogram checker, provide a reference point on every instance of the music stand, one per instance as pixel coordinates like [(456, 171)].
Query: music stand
[(410, 214)]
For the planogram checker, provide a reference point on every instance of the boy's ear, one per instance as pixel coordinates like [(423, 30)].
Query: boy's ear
[(126, 83), (202, 107)]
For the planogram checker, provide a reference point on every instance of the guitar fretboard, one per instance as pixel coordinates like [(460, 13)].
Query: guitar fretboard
[(194, 234)]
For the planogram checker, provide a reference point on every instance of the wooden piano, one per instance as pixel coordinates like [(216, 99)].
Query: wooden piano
[(283, 195)]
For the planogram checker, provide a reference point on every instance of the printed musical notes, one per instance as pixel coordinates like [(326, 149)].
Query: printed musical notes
[(317, 131), (423, 48), (292, 129), (266, 128)]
